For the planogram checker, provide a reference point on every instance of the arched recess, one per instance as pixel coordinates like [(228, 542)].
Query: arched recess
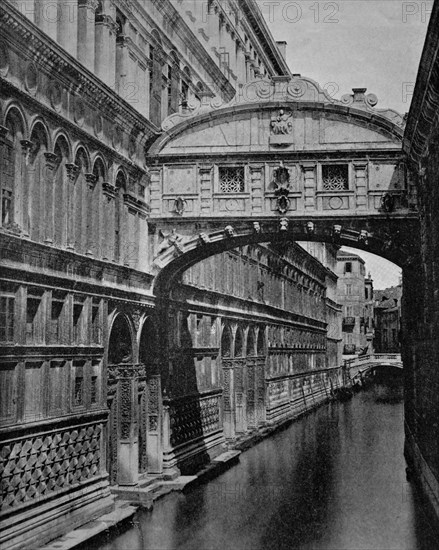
[(173, 83), (260, 347), (97, 242), (37, 181), (82, 162), (251, 342), (238, 346), (148, 345), (61, 191), (12, 170), (226, 341), (119, 215), (155, 78), (120, 343)]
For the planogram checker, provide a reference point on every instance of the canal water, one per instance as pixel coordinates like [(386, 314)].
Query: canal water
[(333, 480)]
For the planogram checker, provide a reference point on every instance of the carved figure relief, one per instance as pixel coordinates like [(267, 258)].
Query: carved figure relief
[(282, 123)]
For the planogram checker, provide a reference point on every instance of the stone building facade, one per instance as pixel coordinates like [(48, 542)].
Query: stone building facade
[(387, 320), (250, 347), (87, 400), (420, 302), (355, 295)]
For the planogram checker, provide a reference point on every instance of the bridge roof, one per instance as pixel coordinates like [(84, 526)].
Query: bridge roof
[(284, 106)]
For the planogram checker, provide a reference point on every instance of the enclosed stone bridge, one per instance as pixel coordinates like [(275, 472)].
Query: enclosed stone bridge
[(284, 161)]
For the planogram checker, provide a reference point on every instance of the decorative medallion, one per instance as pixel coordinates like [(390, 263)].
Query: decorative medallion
[(31, 79), (117, 137), (4, 59), (79, 111), (55, 95), (98, 125)]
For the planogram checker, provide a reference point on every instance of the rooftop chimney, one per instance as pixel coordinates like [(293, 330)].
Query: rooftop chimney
[(282, 47)]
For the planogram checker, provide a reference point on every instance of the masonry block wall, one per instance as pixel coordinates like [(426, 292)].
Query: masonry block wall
[(420, 338)]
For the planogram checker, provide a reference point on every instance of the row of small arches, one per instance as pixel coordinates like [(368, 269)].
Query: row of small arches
[(238, 341)]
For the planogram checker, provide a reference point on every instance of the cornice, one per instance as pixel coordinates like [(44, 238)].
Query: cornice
[(195, 46), (424, 111), (52, 58)]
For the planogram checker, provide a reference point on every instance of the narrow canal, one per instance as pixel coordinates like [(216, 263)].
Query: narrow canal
[(333, 480)]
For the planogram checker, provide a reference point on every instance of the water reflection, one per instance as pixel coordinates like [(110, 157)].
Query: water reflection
[(333, 480)]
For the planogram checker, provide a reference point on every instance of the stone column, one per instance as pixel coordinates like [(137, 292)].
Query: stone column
[(26, 147), (51, 163), (122, 65), (143, 243), (228, 399), (128, 442), (68, 26), (105, 50), (361, 202), (86, 32), (108, 219), (48, 17), (154, 425), (72, 171), (310, 187), (206, 189)]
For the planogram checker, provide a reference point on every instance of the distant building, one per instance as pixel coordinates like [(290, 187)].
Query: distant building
[(355, 294), (387, 314), (326, 254)]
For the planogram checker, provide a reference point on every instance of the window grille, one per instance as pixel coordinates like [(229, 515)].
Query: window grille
[(7, 304), (335, 177), (231, 180)]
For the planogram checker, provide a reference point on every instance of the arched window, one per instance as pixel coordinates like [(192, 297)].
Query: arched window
[(119, 215), (61, 151), (148, 345), (185, 88), (251, 343), (120, 346), (239, 343), (99, 174), (80, 206), (226, 342), (173, 84), (261, 343), (37, 180), (11, 165), (155, 79)]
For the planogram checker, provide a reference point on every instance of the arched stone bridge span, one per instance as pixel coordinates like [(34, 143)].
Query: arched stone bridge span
[(361, 365), (291, 163)]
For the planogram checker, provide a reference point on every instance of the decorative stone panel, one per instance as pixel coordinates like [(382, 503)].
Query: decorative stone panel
[(38, 467), (193, 418)]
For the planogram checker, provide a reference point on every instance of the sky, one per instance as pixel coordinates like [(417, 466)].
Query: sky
[(345, 44), (384, 273)]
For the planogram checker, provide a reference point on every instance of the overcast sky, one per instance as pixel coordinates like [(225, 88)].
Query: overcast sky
[(373, 44), (345, 44)]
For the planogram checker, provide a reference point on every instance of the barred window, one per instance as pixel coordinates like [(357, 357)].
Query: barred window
[(335, 177), (7, 304), (231, 179)]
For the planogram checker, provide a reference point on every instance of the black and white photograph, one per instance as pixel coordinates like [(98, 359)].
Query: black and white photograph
[(219, 274)]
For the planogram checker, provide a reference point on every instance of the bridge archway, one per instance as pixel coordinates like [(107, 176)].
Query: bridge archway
[(283, 161)]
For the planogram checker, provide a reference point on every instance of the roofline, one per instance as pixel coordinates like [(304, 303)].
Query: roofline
[(423, 111), (258, 22)]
